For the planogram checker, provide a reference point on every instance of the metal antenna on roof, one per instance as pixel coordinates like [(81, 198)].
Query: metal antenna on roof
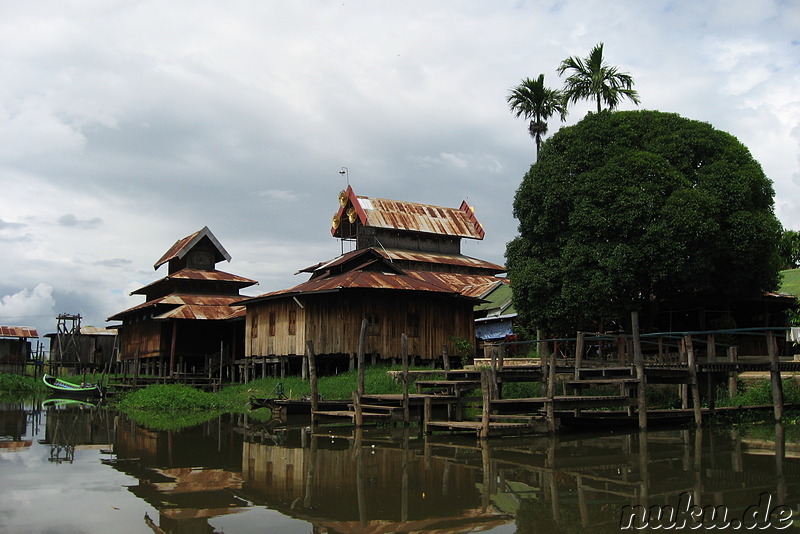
[(344, 172)]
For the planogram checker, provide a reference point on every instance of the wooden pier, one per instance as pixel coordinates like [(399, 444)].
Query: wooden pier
[(613, 393)]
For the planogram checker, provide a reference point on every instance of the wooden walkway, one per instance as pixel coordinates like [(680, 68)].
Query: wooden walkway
[(614, 387)]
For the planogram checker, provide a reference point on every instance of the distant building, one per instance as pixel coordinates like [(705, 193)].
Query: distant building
[(15, 347), (187, 316), (495, 319), (406, 275), (92, 347)]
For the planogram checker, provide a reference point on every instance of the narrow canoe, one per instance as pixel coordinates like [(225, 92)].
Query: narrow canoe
[(68, 388)]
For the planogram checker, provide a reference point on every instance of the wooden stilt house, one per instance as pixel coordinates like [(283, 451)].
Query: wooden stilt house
[(406, 275), (186, 323), (15, 347)]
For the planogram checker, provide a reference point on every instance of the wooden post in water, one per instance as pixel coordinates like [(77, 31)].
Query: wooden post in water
[(698, 414), (551, 391), (579, 342), (359, 418), (312, 378), (362, 340), (733, 386), (486, 389), (404, 355), (683, 388), (638, 360), (711, 380), (775, 377)]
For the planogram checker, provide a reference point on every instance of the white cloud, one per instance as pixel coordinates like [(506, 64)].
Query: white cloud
[(125, 126), (28, 307)]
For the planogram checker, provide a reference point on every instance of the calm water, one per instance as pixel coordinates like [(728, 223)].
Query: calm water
[(80, 469)]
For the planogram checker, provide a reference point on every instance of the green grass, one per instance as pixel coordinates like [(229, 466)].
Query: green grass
[(790, 282), (176, 406), (16, 385), (758, 393)]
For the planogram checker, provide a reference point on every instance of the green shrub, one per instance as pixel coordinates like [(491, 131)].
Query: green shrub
[(20, 385)]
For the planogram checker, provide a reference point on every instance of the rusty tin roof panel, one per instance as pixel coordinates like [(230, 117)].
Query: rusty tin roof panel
[(193, 274), (182, 246), (410, 216), (18, 331), (206, 307), (384, 213), (468, 285), (441, 258)]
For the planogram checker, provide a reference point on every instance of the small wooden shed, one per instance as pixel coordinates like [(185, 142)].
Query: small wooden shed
[(15, 347)]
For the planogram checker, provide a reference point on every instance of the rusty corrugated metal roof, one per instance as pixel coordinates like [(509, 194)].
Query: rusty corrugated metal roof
[(182, 246), (359, 280), (194, 274), (441, 258), (408, 255), (372, 270), (468, 285), (18, 331), (182, 306), (410, 216)]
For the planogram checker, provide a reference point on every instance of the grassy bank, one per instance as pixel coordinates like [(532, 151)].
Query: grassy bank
[(177, 406), (15, 386)]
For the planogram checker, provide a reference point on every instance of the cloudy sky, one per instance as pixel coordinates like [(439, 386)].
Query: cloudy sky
[(126, 125)]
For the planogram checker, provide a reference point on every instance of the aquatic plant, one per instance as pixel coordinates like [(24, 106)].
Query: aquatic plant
[(20, 385)]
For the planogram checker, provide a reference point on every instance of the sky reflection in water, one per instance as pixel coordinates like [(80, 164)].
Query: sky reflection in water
[(89, 470)]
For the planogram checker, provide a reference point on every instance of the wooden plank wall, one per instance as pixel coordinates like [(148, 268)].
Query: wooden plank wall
[(333, 322), (144, 337)]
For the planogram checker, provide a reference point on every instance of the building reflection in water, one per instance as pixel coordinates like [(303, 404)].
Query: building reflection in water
[(395, 480)]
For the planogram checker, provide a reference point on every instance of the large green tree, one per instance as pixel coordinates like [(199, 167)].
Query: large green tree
[(591, 78), (537, 103), (639, 210)]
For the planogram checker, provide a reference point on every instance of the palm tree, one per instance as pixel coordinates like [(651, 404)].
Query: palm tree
[(590, 78), (532, 100)]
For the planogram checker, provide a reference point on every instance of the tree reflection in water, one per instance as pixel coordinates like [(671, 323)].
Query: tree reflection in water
[(230, 474)]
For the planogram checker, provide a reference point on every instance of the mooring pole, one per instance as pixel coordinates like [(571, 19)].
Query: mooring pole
[(362, 340), (404, 355), (312, 378), (638, 360), (775, 377), (698, 414)]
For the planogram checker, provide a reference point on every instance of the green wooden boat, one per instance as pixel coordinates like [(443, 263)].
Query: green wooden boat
[(73, 390)]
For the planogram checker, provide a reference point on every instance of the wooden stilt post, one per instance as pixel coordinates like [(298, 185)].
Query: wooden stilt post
[(551, 391), (362, 340), (733, 385), (683, 388), (172, 349), (445, 358), (312, 378), (775, 377), (698, 415), (359, 419), (404, 355), (579, 342), (579, 349), (711, 380), (486, 389), (427, 413), (638, 360)]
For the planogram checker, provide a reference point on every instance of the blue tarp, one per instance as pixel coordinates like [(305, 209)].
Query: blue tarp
[(493, 329)]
